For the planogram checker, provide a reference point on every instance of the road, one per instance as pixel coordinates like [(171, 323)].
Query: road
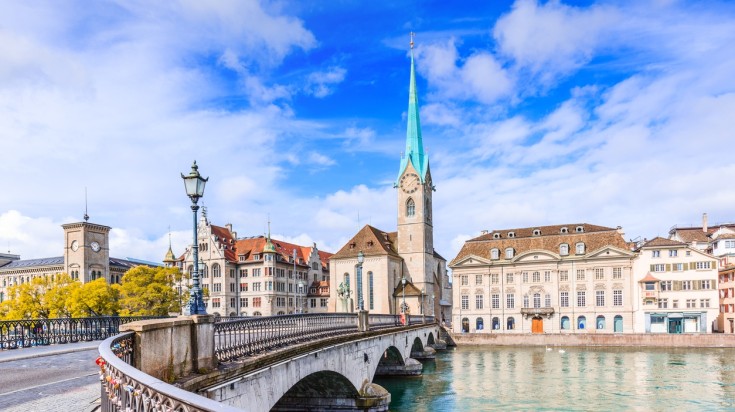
[(54, 378)]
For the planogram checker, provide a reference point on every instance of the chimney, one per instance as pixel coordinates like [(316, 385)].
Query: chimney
[(229, 227), (483, 232), (704, 222)]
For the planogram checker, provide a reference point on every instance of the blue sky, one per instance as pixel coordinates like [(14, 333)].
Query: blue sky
[(533, 113)]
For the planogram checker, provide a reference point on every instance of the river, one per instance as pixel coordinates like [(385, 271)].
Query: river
[(480, 378)]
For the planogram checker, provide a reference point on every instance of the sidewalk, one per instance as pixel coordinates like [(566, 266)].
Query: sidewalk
[(9, 355)]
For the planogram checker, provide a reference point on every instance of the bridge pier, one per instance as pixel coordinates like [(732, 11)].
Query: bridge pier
[(439, 344), (371, 398), (411, 367), (427, 354)]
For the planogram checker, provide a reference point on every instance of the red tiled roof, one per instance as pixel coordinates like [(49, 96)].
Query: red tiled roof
[(254, 245), (371, 241), (225, 241), (662, 242), (649, 278), (544, 230)]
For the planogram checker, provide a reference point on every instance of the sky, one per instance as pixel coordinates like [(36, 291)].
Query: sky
[(615, 113)]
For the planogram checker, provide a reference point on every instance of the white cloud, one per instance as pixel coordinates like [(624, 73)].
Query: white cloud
[(321, 84)]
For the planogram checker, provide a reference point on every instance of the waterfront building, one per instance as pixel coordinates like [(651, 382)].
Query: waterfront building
[(86, 258), (726, 288), (717, 240), (257, 276), (401, 271), (573, 278), (677, 288)]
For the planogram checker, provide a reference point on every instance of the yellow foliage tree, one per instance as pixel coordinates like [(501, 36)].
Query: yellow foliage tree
[(43, 297), (146, 291), (95, 298)]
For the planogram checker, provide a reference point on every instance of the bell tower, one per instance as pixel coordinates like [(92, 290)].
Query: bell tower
[(415, 228), (86, 250)]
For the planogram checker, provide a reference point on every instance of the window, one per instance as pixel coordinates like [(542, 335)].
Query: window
[(703, 303), (564, 299), (509, 278), (511, 234), (730, 244), (650, 286), (581, 322), (347, 280), (243, 302), (581, 298), (478, 302), (703, 265), (600, 298), (678, 267), (659, 267), (564, 276), (537, 232), (495, 299), (510, 301), (536, 300), (706, 284), (232, 289), (479, 324), (371, 297), (525, 301), (464, 280), (496, 323), (536, 277), (243, 273), (410, 208), (547, 276), (547, 301), (663, 303), (580, 274), (217, 287), (599, 274), (672, 252), (524, 277), (686, 285), (256, 272), (256, 286), (256, 302), (494, 278), (565, 322), (312, 303), (509, 253), (656, 253), (216, 303), (323, 302), (617, 297), (478, 279), (579, 229), (691, 303), (617, 273), (496, 235), (564, 249), (579, 248), (495, 254), (465, 302), (511, 323), (600, 322), (564, 230)]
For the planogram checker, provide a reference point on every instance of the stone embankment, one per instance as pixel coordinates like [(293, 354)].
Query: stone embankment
[(624, 340)]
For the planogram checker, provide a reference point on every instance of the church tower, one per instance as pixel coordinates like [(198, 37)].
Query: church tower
[(415, 188), (86, 250)]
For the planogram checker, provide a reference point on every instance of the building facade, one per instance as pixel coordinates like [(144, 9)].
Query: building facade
[(726, 288), (86, 258), (401, 272), (574, 278), (677, 288), (257, 276)]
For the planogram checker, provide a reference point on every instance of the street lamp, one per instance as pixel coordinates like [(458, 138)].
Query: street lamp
[(403, 305), (194, 184), (288, 280), (300, 299), (360, 259)]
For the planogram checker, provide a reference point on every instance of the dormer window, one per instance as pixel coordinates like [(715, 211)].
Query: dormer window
[(370, 243), (580, 248), (509, 253), (564, 249), (256, 257), (564, 230), (537, 232), (495, 254), (579, 229), (511, 234), (496, 235)]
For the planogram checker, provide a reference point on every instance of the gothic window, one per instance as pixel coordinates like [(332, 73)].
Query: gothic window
[(410, 208), (215, 270)]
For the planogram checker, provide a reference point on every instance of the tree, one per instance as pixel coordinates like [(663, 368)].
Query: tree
[(146, 291), (95, 298), (42, 297)]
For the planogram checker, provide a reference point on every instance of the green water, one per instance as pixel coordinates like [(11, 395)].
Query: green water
[(581, 379)]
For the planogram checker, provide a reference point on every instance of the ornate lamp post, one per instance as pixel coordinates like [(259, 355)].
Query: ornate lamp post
[(288, 280), (360, 259), (194, 184), (403, 305)]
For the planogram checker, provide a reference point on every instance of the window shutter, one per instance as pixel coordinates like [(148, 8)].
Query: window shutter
[(686, 266), (652, 269), (677, 285), (668, 267), (697, 284)]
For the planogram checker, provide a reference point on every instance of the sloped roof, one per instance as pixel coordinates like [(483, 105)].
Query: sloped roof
[(248, 247), (411, 290), (371, 241), (322, 289), (224, 238), (649, 278), (594, 237), (26, 263), (662, 242), (689, 235)]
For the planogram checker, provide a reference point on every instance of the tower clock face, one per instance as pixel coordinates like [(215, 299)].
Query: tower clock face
[(410, 182), (95, 246), (75, 246)]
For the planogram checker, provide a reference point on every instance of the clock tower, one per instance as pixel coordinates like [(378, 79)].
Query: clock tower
[(415, 227), (86, 250)]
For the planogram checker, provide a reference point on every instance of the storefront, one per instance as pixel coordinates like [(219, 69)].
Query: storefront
[(676, 322)]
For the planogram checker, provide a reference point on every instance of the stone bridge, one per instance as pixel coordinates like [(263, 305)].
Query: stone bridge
[(281, 363)]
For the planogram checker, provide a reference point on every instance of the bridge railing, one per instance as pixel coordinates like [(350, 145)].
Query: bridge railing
[(419, 319), (125, 388), (36, 332), (246, 337), (378, 321)]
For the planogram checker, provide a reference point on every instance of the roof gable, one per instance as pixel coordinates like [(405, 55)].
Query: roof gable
[(371, 241)]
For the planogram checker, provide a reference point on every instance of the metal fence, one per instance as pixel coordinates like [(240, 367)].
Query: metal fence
[(36, 332), (125, 388)]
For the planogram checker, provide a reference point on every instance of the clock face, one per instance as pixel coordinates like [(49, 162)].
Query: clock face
[(95, 246), (75, 245), (410, 182)]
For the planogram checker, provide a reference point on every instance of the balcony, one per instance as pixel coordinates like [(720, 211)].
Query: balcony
[(533, 312), (650, 294)]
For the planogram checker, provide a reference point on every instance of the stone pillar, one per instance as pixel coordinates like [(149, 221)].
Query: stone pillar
[(427, 353), (411, 367), (439, 344), (203, 343), (363, 325)]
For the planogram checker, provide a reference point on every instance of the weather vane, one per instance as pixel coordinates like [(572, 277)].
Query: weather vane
[(412, 34)]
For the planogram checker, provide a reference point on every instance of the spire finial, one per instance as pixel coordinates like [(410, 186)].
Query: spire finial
[(86, 216), (412, 34)]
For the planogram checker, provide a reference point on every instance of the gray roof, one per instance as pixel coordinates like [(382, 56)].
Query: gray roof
[(15, 264)]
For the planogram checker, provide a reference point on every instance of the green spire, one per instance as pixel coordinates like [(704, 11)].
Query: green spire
[(269, 248), (414, 143)]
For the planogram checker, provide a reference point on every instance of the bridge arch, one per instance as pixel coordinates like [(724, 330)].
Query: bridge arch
[(318, 388)]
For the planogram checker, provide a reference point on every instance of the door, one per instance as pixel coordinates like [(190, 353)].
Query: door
[(674, 325), (537, 325), (618, 324)]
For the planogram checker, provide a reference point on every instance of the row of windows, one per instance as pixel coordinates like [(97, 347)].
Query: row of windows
[(676, 285), (535, 277), (679, 267), (671, 253), (564, 323), (535, 300), (537, 232), (371, 287), (690, 303), (563, 251)]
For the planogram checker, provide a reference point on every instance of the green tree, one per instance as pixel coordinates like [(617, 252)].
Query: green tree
[(95, 298), (146, 291)]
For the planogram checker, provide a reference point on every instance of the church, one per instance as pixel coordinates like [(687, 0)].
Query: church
[(400, 272)]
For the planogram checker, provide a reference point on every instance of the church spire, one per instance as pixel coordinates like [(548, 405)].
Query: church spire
[(414, 143), (269, 247)]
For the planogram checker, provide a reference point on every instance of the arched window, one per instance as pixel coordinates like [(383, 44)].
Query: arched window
[(509, 253), (495, 254), (465, 325), (618, 324), (410, 208), (496, 324), (203, 270), (243, 313), (190, 269), (565, 322), (215, 270), (564, 249), (581, 322), (257, 314), (537, 300), (600, 322), (347, 280), (511, 323), (479, 324), (580, 248)]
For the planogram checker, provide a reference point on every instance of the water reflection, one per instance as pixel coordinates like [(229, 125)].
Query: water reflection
[(513, 378)]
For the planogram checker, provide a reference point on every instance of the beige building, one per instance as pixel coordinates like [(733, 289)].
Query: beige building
[(86, 257), (677, 288), (256, 276), (574, 278), (401, 271)]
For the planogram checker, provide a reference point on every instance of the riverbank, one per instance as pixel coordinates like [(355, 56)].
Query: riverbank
[(596, 339)]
